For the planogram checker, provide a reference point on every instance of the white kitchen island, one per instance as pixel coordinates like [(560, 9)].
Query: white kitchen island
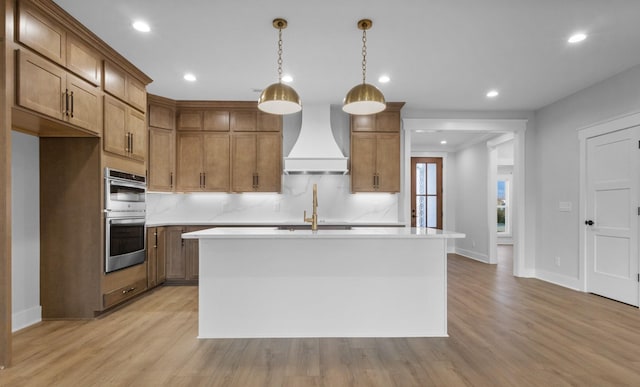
[(363, 282)]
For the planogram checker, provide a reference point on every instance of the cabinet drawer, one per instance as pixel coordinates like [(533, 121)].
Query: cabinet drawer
[(124, 293)]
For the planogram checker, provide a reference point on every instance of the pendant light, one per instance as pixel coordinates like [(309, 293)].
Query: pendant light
[(364, 98), (279, 98)]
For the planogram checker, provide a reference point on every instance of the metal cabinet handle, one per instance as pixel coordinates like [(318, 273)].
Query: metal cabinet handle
[(128, 290), (204, 179), (72, 104), (131, 139), (171, 179), (66, 102), (127, 142), (588, 222)]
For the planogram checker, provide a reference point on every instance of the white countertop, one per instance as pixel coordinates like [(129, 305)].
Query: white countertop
[(354, 233)]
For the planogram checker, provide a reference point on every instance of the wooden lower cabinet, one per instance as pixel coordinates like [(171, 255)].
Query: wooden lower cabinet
[(181, 255), (156, 254)]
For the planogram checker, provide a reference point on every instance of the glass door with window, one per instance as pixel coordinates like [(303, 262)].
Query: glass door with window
[(426, 188)]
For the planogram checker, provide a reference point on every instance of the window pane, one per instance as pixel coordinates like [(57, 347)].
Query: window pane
[(432, 184), (502, 191), (421, 182), (421, 219), (432, 211), (501, 220)]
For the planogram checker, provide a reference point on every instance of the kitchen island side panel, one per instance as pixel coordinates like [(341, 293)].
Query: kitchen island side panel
[(260, 287)]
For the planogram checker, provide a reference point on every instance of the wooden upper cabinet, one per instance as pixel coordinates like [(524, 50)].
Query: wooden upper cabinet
[(161, 160), (41, 34), (386, 121), (190, 120), (375, 162), (243, 120), (124, 130), (161, 116), (269, 122), (256, 162), (54, 42), (83, 61), (216, 120), (48, 89), (203, 162), (123, 86)]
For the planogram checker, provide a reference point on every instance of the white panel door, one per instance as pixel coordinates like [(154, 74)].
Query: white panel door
[(612, 215)]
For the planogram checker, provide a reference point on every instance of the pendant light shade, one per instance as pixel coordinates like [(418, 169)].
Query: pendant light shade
[(279, 98), (364, 98)]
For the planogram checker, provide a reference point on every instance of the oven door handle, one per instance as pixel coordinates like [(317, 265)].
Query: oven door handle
[(128, 221), (126, 183)]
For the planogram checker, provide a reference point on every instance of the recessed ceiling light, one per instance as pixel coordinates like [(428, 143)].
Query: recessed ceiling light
[(384, 79), (287, 78), (577, 38), (141, 26), (492, 93), (443, 142), (190, 77)]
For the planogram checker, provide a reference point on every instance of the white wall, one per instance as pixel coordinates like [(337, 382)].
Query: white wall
[(25, 226), (335, 203), (555, 165), (471, 202)]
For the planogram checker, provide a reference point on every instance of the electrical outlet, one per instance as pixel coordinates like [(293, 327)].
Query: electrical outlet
[(558, 261)]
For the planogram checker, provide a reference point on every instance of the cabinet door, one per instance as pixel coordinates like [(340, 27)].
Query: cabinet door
[(192, 259), (161, 117), (388, 162), (161, 254), (388, 121), (176, 266), (363, 123), (269, 122), (269, 162), (152, 257), (41, 85), (83, 61), (161, 159), (41, 34), (243, 120), (136, 94), (189, 159), (216, 120), (190, 120), (216, 162), (137, 134), (243, 162), (363, 162), (115, 136), (84, 108), (115, 81)]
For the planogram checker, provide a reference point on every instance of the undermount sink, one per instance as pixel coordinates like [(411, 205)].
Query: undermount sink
[(320, 227)]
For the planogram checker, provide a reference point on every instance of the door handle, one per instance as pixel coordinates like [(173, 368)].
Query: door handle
[(588, 222), (72, 104), (66, 102)]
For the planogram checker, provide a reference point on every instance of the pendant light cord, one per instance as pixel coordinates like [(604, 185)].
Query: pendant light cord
[(280, 55), (364, 55)]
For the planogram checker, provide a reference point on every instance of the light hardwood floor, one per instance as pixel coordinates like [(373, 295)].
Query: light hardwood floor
[(504, 331)]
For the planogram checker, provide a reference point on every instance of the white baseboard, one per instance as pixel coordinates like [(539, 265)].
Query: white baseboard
[(472, 254), (559, 279), (25, 318)]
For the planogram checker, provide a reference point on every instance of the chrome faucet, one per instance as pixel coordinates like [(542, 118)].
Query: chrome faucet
[(314, 217)]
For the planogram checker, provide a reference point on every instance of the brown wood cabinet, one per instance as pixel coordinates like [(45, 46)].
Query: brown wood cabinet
[(214, 120), (256, 164), (203, 162), (156, 256), (162, 140), (181, 255), (125, 131), (46, 88), (254, 120), (123, 86), (53, 41), (375, 162), (386, 121)]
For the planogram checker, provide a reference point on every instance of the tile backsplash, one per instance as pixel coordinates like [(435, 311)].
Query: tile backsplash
[(335, 204)]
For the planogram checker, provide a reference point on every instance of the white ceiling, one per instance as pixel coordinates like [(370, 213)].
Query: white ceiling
[(440, 54)]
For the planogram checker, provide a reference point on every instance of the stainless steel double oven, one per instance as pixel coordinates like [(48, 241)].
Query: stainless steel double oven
[(125, 211)]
